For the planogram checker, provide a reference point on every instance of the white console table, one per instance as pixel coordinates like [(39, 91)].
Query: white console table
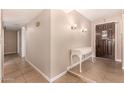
[(81, 52)]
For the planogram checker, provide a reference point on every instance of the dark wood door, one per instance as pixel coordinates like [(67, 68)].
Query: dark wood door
[(105, 40)]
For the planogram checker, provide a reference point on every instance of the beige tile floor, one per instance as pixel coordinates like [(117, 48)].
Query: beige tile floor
[(102, 71), (69, 78), (16, 70)]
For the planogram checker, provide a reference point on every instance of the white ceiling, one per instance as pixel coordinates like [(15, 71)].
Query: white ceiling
[(94, 14), (14, 19)]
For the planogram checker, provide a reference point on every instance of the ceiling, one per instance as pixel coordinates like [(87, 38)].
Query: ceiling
[(94, 14), (14, 19)]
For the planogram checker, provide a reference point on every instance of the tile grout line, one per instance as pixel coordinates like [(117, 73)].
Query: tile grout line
[(21, 72), (82, 77)]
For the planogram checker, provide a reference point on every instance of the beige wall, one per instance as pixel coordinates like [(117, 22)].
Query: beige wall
[(38, 42), (47, 46), (63, 38), (118, 38), (10, 42)]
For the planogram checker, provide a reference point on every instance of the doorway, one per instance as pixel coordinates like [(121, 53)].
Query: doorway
[(105, 40)]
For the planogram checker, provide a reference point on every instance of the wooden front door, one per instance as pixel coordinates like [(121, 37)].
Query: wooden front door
[(105, 40)]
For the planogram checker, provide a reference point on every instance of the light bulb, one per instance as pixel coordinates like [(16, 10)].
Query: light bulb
[(85, 30)]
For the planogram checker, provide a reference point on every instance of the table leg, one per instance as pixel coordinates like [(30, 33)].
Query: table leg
[(71, 61), (93, 59), (80, 64)]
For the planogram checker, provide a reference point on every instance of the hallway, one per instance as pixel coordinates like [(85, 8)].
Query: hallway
[(18, 71), (47, 44)]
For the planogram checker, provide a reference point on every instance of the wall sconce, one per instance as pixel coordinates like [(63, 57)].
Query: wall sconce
[(73, 27), (37, 24), (84, 30)]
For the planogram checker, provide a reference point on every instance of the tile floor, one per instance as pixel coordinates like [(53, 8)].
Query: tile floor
[(16, 70), (102, 71)]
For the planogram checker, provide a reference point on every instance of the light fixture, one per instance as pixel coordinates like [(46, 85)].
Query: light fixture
[(37, 24), (84, 29), (74, 26)]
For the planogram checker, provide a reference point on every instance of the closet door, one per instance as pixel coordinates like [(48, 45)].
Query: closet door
[(105, 40)]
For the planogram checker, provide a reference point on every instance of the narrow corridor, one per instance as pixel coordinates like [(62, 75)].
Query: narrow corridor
[(16, 70)]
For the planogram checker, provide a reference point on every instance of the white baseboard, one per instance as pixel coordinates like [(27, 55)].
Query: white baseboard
[(118, 60), (77, 63), (83, 77), (10, 53), (43, 74), (58, 76)]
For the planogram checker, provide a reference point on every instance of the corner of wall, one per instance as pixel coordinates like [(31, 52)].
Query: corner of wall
[(40, 37)]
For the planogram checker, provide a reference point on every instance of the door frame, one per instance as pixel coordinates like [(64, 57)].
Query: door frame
[(123, 41), (1, 48), (94, 38)]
